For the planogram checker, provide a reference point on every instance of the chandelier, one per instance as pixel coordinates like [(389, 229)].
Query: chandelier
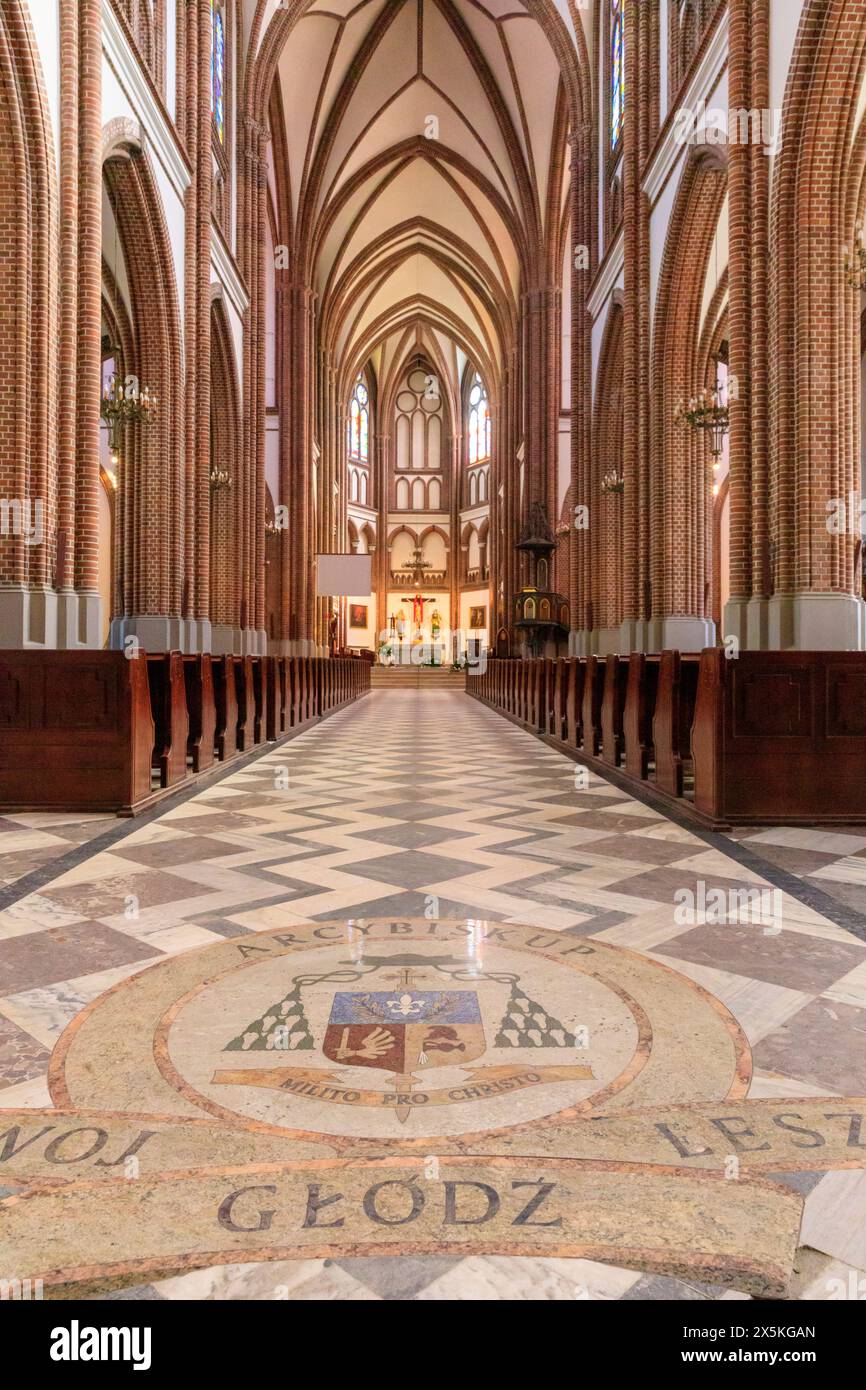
[(416, 566), (855, 263), (708, 411), (220, 479), (613, 482), (125, 403)]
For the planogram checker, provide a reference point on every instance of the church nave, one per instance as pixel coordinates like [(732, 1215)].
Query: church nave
[(419, 820)]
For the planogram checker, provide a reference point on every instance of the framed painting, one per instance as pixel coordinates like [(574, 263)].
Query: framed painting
[(357, 615), (478, 617)]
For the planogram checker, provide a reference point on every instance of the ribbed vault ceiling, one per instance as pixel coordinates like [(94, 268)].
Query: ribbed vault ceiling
[(404, 237)]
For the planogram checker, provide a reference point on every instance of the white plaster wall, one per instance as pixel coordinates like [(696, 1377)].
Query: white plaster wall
[(362, 636), (45, 19), (272, 458), (598, 327), (563, 464), (716, 98), (474, 598), (784, 21), (717, 262), (664, 49), (117, 104), (171, 59)]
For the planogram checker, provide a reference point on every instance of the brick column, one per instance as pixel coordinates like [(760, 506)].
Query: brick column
[(198, 465), (89, 271), (748, 190), (68, 380)]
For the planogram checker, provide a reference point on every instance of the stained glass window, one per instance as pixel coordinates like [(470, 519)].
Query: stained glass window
[(617, 73), (359, 423), (218, 69), (479, 423)]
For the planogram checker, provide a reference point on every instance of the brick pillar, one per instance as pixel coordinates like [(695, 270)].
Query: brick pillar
[(251, 238), (641, 598), (748, 191), (539, 309), (89, 270), (583, 263), (68, 379), (199, 405), (298, 421)]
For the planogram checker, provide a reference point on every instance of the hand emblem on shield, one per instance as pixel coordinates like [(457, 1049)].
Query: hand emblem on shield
[(404, 1033)]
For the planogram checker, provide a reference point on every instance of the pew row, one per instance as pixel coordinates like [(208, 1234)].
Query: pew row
[(103, 731), (763, 738)]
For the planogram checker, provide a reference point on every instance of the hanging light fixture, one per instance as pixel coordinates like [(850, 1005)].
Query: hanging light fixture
[(125, 403), (613, 482), (220, 479), (855, 261), (708, 411)]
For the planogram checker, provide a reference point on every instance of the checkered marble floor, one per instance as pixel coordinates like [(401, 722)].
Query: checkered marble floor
[(414, 804)]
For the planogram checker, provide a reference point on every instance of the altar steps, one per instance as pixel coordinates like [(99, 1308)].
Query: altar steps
[(428, 678)]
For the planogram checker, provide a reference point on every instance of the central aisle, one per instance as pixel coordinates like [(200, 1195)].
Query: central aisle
[(432, 807)]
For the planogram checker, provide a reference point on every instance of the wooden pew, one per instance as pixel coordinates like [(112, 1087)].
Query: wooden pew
[(246, 702), (298, 692), (574, 702), (273, 694), (612, 708), (201, 707), (781, 737), (593, 691), (560, 696), (672, 719), (511, 686), (285, 694), (76, 731), (171, 721), (225, 694), (260, 699), (551, 682), (640, 703), (309, 688), (534, 697)]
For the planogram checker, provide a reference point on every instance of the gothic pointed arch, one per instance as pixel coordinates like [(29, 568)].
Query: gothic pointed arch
[(818, 197), (28, 326), (607, 501), (228, 483), (152, 501), (681, 482)]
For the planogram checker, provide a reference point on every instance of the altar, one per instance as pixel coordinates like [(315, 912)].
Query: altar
[(418, 631)]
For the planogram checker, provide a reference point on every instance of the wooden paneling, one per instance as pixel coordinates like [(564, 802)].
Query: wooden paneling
[(168, 703), (201, 708), (781, 736), (640, 703), (76, 731)]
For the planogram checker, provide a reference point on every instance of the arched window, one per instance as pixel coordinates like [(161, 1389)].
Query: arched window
[(218, 68), (617, 73), (479, 422), (359, 423)]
